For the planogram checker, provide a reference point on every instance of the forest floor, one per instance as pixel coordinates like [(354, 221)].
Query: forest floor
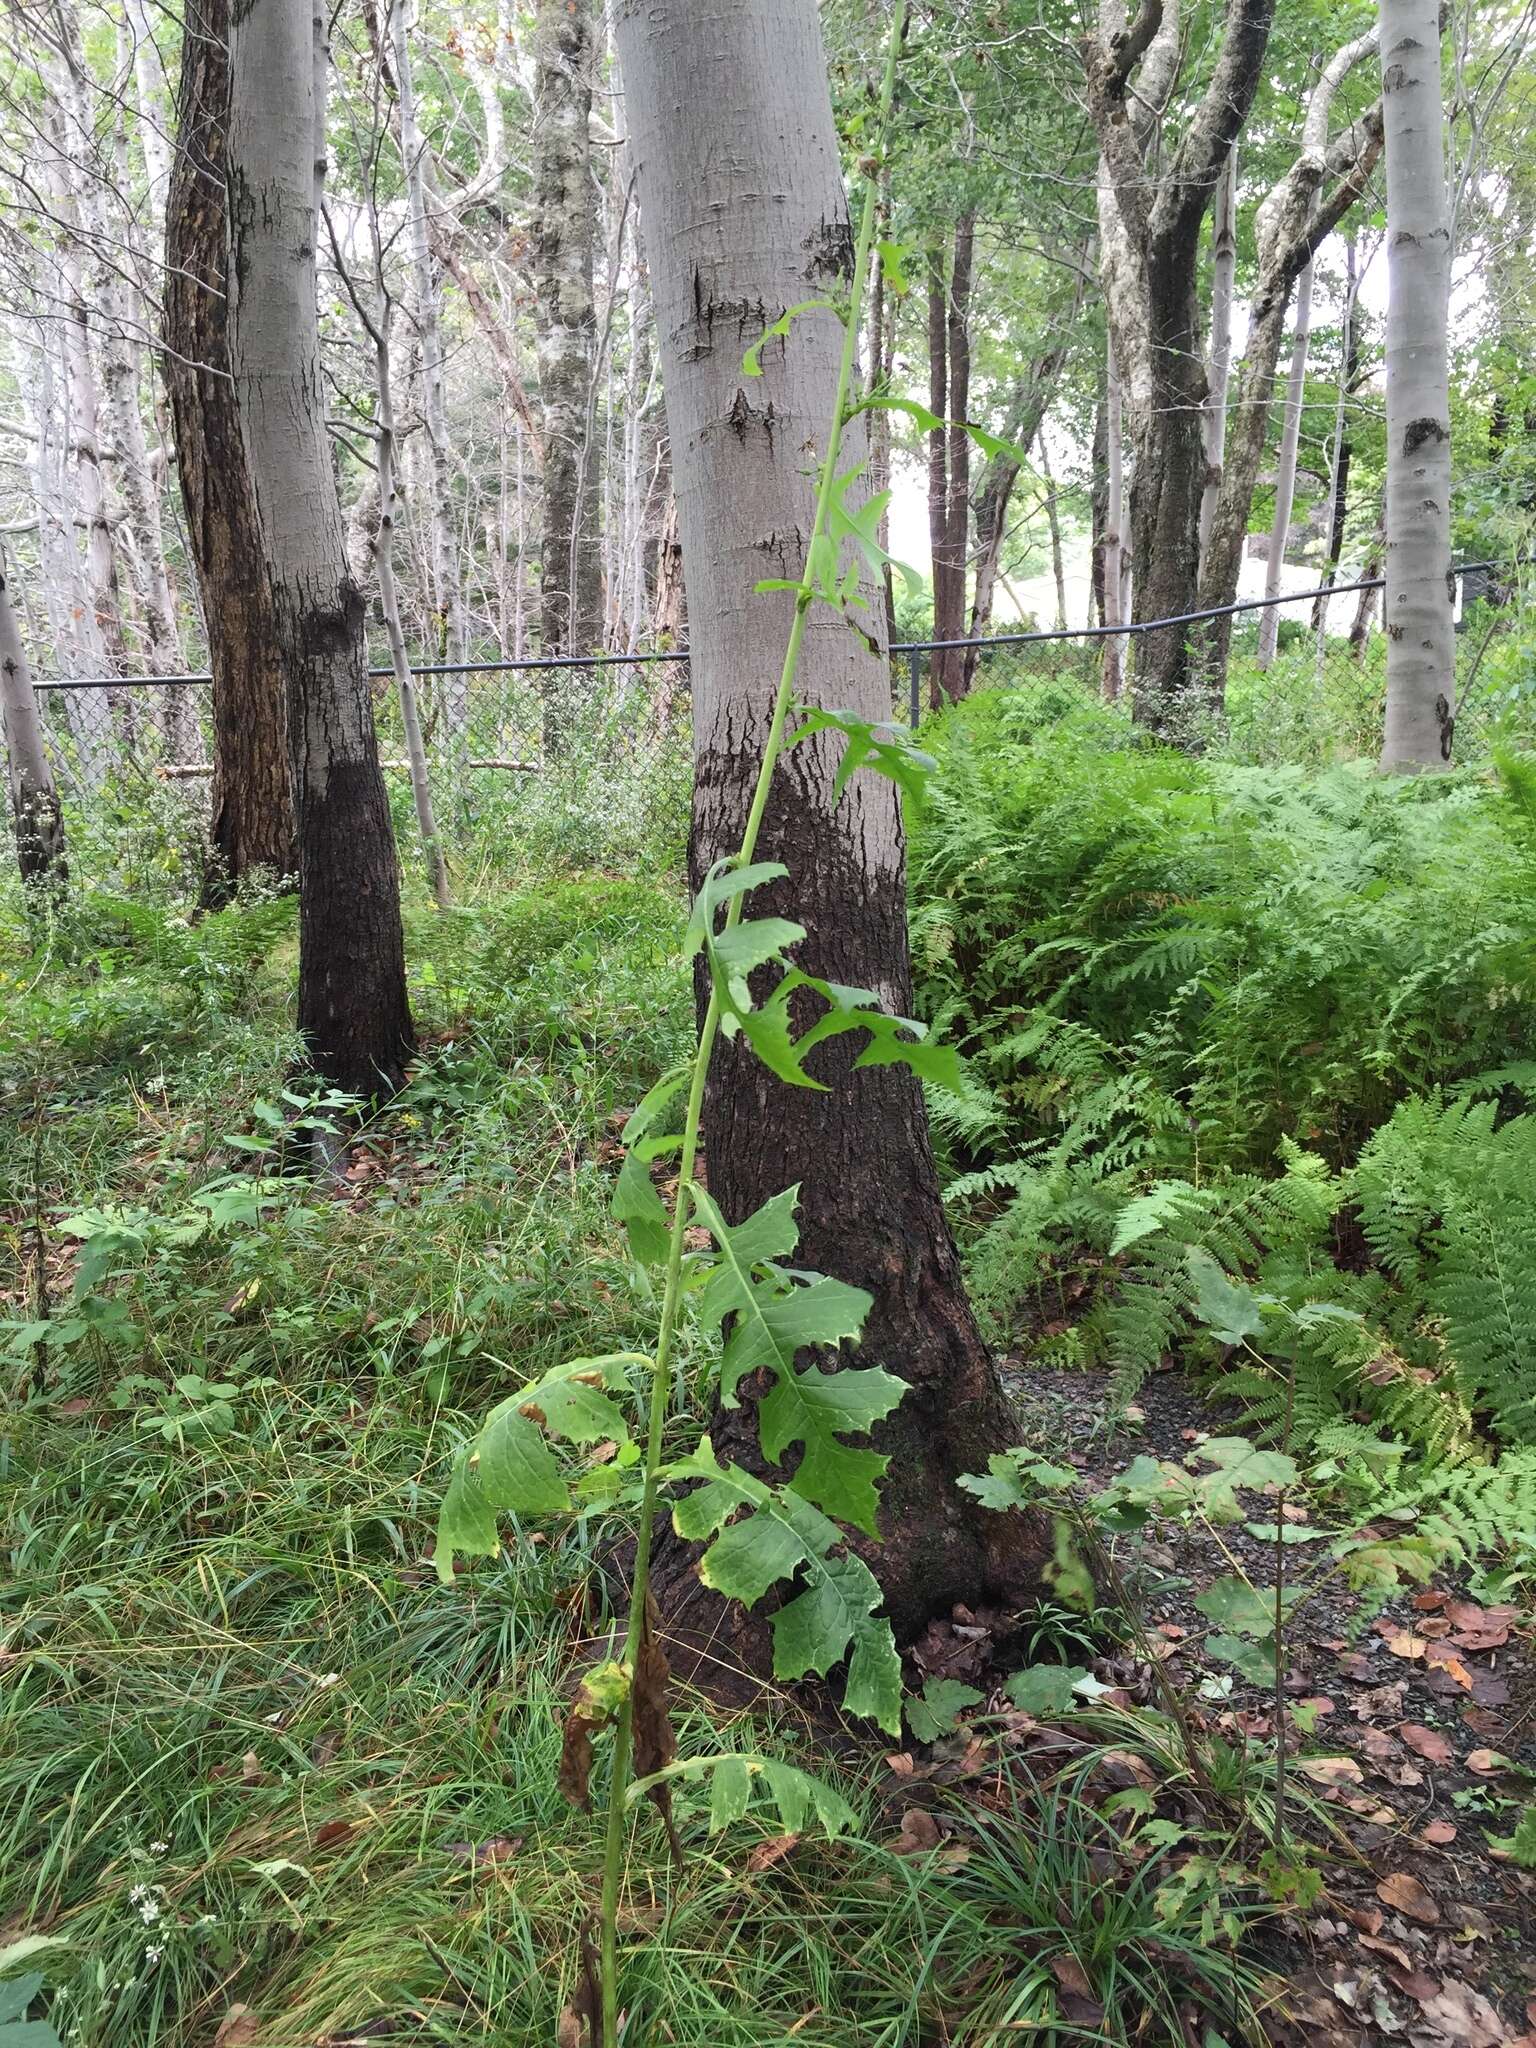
[(264, 1783), (1414, 1727)]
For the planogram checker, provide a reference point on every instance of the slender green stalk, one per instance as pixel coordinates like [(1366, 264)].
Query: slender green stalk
[(661, 1381)]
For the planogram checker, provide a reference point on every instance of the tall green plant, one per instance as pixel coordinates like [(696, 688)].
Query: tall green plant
[(756, 1534)]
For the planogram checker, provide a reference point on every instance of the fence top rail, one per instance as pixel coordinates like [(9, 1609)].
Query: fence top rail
[(1220, 611), (202, 678)]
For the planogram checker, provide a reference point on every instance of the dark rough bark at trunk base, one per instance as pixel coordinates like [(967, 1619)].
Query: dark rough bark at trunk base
[(353, 1011), (870, 1214)]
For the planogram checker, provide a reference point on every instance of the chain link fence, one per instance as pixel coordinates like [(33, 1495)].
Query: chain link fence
[(1305, 676)]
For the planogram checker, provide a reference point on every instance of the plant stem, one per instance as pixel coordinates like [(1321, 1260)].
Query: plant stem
[(661, 1380)]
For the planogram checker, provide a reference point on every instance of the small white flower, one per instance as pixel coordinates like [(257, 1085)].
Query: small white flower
[(158, 1848), (153, 1953)]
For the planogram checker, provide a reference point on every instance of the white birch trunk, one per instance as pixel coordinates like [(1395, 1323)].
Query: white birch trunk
[(1115, 613), (353, 1009), (746, 215), (1420, 595), (389, 602), (34, 799), (1053, 527), (447, 584), (1285, 476), (1223, 279), (151, 101)]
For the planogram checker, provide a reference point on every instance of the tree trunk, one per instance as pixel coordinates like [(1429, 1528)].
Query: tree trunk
[(1026, 410), (1113, 552), (251, 826), (570, 596), (34, 800), (710, 90), (882, 359), (1365, 608), (389, 596), (1053, 527), (957, 532), (949, 460), (1293, 222), (1285, 476), (447, 584), (103, 638), (940, 571), (353, 1010), (1341, 450), (1420, 594), (1099, 504), (1151, 223), (1223, 278)]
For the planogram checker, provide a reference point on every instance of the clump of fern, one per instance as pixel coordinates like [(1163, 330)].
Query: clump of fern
[(1447, 1200)]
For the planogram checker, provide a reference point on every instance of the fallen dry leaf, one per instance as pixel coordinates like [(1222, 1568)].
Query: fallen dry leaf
[(1486, 1762), (919, 1833), (1428, 1743), (1405, 1894), (1380, 1702), (766, 1854), (1402, 1642), (1071, 1976), (1426, 1603), (1493, 1635), (1377, 1947), (499, 1849), (1378, 1745), (238, 2028), (1441, 1657), (1331, 1770), (1463, 2016), (1438, 1833), (330, 1832)]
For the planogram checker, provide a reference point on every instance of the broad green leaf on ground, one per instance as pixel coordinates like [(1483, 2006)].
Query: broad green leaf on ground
[(940, 1705), (642, 1212), (1230, 1311), (1239, 1463), (1016, 1479), (1045, 1688), (1254, 1658), (1247, 1610), (733, 1780)]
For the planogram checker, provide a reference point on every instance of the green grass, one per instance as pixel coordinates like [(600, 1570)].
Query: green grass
[(251, 1752), (247, 1743)]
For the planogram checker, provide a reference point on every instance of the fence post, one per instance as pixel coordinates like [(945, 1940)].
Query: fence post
[(914, 687)]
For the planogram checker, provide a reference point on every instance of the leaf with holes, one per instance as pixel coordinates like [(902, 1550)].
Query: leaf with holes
[(762, 1535)]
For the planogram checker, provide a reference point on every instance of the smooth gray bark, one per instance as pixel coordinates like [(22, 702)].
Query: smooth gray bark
[(742, 193), (1113, 547), (34, 799), (565, 321), (1420, 593), (353, 1009), (1285, 475), (1294, 219), (1223, 282), (447, 583)]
